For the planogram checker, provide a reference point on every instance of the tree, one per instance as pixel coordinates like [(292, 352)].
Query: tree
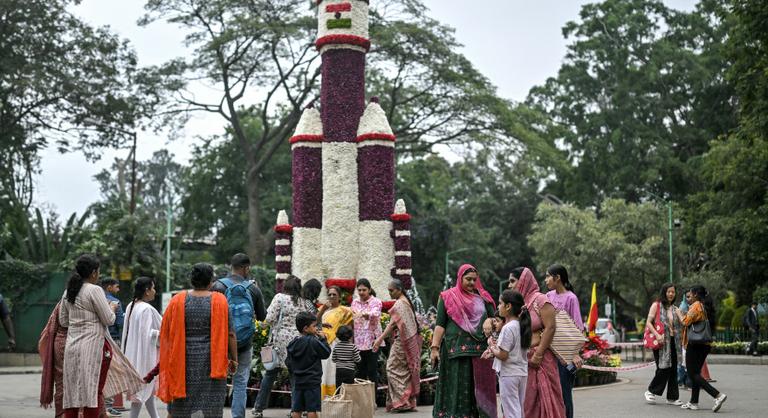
[(730, 215), (264, 50), (59, 76), (623, 251), (216, 203), (485, 203), (640, 83)]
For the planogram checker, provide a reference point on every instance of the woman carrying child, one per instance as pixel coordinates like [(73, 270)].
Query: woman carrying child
[(511, 353)]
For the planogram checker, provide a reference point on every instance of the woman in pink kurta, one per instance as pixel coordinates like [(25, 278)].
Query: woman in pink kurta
[(543, 394), (93, 366), (367, 319)]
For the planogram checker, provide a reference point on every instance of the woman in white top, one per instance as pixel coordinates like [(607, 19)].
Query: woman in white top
[(140, 341), (510, 353)]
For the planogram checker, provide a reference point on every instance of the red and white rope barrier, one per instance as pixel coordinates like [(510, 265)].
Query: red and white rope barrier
[(429, 379), (619, 369)]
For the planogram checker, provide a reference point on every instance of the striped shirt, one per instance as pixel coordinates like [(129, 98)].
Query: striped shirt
[(345, 355)]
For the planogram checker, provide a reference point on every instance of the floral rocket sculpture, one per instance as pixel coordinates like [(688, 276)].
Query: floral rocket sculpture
[(345, 221)]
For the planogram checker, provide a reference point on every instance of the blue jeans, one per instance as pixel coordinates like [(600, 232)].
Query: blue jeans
[(240, 382), (567, 379), (262, 400)]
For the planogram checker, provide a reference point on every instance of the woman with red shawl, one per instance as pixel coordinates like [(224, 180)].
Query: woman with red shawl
[(467, 384), (543, 394)]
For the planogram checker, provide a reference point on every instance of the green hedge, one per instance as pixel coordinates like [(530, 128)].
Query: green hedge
[(738, 348), (19, 278)]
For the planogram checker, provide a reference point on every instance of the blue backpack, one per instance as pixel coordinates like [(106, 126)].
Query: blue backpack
[(240, 309)]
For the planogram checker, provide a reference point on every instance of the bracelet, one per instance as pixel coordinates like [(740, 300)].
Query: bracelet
[(435, 347)]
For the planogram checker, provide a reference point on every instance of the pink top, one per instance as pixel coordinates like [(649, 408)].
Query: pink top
[(569, 303), (367, 330)]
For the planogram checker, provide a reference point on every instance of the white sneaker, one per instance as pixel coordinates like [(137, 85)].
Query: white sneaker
[(650, 397), (691, 406), (676, 402), (719, 401)]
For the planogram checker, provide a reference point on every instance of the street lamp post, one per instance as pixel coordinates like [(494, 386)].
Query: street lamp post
[(447, 255)]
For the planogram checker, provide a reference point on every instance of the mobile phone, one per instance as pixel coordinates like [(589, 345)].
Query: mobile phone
[(572, 368)]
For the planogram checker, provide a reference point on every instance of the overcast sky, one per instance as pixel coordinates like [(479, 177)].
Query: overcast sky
[(517, 44)]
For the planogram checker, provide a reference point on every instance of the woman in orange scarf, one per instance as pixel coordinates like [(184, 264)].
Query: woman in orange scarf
[(195, 338)]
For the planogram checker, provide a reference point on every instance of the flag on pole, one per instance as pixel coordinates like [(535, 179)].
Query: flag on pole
[(592, 320)]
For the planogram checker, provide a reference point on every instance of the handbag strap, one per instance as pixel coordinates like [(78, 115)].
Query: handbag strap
[(277, 325)]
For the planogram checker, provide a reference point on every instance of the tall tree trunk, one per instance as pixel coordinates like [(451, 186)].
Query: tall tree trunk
[(257, 248)]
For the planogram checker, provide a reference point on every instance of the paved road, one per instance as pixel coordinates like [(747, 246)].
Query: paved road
[(745, 386)]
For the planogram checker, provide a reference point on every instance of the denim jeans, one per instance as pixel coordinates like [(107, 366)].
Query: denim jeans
[(240, 383), (262, 400), (567, 379)]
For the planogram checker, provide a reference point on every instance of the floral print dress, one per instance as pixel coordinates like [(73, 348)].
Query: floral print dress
[(284, 328)]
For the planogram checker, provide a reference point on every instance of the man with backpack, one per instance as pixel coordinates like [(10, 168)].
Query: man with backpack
[(246, 303)]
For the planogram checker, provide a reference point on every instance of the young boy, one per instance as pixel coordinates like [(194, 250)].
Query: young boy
[(303, 362), (345, 355)]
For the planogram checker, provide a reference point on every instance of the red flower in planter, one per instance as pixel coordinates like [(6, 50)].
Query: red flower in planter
[(346, 284)]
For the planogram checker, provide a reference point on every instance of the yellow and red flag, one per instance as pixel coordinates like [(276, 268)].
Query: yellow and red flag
[(592, 319)]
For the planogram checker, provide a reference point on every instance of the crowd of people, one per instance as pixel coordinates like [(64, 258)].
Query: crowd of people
[(94, 352)]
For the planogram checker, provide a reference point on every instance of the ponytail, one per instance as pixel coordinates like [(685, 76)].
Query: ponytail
[(525, 327), (85, 265), (560, 271), (516, 300), (141, 286), (73, 287), (709, 306)]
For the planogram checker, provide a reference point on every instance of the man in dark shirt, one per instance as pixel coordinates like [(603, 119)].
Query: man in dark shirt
[(5, 316), (241, 268)]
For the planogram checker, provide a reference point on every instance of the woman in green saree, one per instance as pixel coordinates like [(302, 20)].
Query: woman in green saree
[(467, 385)]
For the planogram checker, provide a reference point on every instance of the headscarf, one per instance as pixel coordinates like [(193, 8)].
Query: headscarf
[(466, 309), (529, 288)]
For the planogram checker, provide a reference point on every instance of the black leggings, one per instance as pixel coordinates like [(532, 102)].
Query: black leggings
[(368, 368), (695, 355)]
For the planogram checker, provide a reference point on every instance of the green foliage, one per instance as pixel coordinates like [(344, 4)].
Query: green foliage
[(623, 251), (760, 295), (431, 93), (47, 242), (640, 83), (59, 75), (738, 316), (730, 215), (19, 278)]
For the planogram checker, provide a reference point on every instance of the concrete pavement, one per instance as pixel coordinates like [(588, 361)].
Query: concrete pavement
[(745, 385)]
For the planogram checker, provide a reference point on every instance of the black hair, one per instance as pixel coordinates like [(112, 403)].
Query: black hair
[(344, 333), (140, 286), (311, 290), (560, 271), (398, 284), (106, 282), (240, 260), (201, 275), (292, 287), (364, 282), (663, 294), (303, 320), (516, 299), (700, 292), (85, 265), (467, 271), (336, 288)]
